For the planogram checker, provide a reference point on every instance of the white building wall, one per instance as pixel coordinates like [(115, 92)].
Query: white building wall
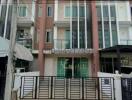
[(123, 11), (130, 33), (124, 34), (50, 66)]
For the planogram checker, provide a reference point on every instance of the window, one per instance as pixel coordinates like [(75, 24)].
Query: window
[(49, 11), (67, 11), (22, 11), (105, 11), (98, 11), (74, 11), (81, 11), (112, 11), (39, 10), (131, 11), (48, 36)]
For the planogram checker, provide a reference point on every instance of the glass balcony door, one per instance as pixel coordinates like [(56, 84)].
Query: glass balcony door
[(67, 39)]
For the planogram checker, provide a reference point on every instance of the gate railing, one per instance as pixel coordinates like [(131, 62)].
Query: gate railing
[(52, 87), (126, 88)]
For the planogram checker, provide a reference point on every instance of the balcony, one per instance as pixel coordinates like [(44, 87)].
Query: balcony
[(25, 21), (25, 42), (63, 46), (125, 42)]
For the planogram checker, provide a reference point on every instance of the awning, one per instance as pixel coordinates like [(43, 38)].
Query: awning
[(20, 51), (121, 48)]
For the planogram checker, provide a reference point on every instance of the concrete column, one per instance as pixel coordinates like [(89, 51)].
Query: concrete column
[(95, 65), (42, 32)]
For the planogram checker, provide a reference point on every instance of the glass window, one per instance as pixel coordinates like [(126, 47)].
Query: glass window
[(114, 33), (81, 11), (22, 11), (105, 11), (48, 36), (131, 11), (112, 11), (39, 10), (107, 34), (49, 11), (100, 35), (98, 11), (67, 11), (74, 11)]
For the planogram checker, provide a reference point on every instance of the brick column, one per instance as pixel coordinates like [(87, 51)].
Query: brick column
[(95, 57), (42, 30)]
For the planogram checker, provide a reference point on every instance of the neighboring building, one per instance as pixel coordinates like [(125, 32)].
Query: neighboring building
[(25, 28), (114, 22), (8, 25)]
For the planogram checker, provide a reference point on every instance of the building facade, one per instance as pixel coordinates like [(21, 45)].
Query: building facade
[(66, 45), (70, 35)]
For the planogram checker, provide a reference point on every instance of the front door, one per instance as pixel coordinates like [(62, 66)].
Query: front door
[(72, 67)]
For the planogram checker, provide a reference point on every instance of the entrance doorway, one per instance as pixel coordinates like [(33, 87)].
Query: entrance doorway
[(72, 67)]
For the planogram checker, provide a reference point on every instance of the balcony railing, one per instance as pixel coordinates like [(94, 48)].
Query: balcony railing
[(61, 44), (25, 42), (52, 87), (125, 42), (66, 44)]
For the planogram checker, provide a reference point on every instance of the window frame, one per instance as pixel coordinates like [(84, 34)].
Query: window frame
[(26, 13), (49, 6), (50, 36)]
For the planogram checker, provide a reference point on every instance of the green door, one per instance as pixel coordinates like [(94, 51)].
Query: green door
[(84, 67), (77, 67), (61, 67), (67, 39), (80, 67)]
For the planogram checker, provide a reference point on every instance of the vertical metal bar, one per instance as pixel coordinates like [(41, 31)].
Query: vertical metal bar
[(82, 88), (66, 88), (98, 88), (113, 88), (32, 88), (36, 84), (51, 88), (122, 88), (21, 87)]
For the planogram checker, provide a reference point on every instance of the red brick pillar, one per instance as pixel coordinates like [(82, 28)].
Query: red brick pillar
[(95, 57), (42, 30)]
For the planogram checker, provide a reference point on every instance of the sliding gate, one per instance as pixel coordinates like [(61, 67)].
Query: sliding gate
[(88, 88)]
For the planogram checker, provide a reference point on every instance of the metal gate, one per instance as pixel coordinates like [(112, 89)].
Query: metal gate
[(126, 88), (86, 88)]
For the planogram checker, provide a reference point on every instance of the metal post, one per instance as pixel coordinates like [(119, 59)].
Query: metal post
[(10, 67), (82, 88), (98, 88), (51, 88), (21, 87), (36, 84)]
